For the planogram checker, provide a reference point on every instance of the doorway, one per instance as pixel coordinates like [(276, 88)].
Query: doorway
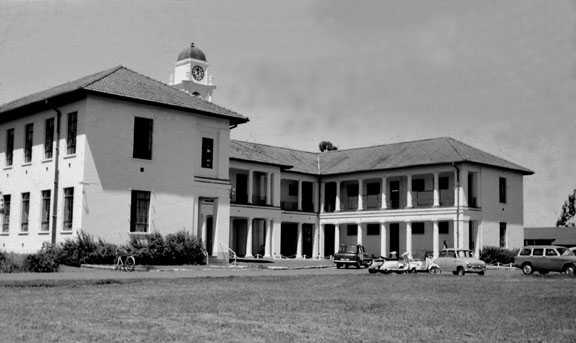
[(394, 194), (328, 240), (394, 238)]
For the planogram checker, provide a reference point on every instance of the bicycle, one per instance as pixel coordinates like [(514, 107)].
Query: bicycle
[(124, 263)]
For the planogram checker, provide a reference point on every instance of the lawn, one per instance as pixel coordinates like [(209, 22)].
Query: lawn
[(351, 306)]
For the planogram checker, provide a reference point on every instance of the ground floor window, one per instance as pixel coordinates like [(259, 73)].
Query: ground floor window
[(351, 230), (373, 229), (418, 228), (6, 213), (44, 225), (443, 228), (139, 211), (25, 214), (503, 235), (68, 208)]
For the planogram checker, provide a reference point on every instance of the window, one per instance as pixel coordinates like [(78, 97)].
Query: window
[(9, 146), (444, 182), (502, 189), (551, 252), (293, 189), (351, 230), (28, 140), (68, 208), (352, 189), (45, 219), (538, 252), (143, 131), (373, 188), (443, 228), (373, 229), (525, 252), (502, 235), (6, 214), (418, 228), (25, 212), (48, 138), (139, 209), (72, 130), (418, 185), (207, 152)]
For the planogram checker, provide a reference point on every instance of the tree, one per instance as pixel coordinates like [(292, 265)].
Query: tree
[(568, 214), (327, 146)]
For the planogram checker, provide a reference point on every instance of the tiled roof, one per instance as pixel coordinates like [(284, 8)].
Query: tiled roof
[(560, 235), (433, 151), (123, 82)]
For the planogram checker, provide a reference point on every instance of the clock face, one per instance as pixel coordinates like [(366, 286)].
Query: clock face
[(197, 73)]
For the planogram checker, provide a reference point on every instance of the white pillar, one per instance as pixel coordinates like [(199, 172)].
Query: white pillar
[(456, 188), (360, 231), (204, 230), (322, 196), (299, 195), (268, 239), (299, 244), (479, 243), (336, 237), (383, 239), (436, 190), (250, 186), (383, 190), (276, 193), (276, 236), (455, 230), (249, 237), (337, 205), (435, 239), (321, 235), (409, 237), (315, 241), (463, 187), (360, 197), (221, 227), (409, 191), (463, 236), (268, 188)]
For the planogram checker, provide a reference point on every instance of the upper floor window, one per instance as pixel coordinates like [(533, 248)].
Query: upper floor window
[(68, 208), (143, 130), (444, 182), (9, 146), (418, 185), (6, 213), (139, 210), (502, 189), (28, 141), (207, 152), (48, 138), (72, 131)]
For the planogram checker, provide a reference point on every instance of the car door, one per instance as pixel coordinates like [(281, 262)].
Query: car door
[(537, 258), (551, 260)]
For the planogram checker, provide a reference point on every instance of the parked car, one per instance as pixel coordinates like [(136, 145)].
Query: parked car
[(546, 258), (459, 262), (352, 255), (404, 264)]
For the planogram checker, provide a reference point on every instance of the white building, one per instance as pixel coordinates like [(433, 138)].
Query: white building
[(118, 154)]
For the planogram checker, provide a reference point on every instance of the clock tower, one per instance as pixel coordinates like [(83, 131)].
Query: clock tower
[(191, 73)]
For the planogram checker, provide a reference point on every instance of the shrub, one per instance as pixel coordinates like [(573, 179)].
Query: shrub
[(493, 255), (44, 261), (84, 249), (11, 263), (176, 248)]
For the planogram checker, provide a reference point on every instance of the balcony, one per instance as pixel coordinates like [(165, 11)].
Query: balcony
[(373, 202), (446, 197), (423, 199), (259, 199), (289, 205), (349, 204)]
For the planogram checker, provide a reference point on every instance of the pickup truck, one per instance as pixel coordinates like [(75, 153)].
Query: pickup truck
[(352, 255)]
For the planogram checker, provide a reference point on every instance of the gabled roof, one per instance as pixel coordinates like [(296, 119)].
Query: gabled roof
[(127, 84), (558, 235), (443, 150)]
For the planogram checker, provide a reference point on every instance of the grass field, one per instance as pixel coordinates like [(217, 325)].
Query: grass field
[(352, 306)]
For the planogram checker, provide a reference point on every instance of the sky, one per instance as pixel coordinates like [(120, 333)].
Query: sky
[(498, 75)]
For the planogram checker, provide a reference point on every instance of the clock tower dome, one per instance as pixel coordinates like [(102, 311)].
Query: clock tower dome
[(191, 73)]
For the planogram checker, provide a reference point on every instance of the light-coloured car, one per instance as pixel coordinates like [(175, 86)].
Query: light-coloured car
[(546, 258), (459, 262)]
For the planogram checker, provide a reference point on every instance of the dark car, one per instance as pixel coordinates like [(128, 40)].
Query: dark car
[(352, 255), (544, 259)]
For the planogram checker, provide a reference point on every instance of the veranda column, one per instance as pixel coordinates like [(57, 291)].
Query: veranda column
[(383, 190), (456, 189), (268, 239), (359, 237), (315, 241), (360, 192), (321, 235), (322, 196), (464, 188), (268, 188), (276, 238), (249, 237), (409, 237), (456, 229), (463, 235), (383, 239), (299, 244), (409, 191), (436, 190), (204, 230), (299, 195), (336, 237), (337, 205), (435, 238), (250, 186)]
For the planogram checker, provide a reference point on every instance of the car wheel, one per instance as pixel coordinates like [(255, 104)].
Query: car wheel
[(346, 265), (358, 265), (527, 269), (435, 270), (482, 273), (338, 265), (371, 270), (570, 270), (460, 271)]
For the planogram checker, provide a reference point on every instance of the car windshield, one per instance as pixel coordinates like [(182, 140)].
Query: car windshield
[(464, 253), (565, 252), (350, 249)]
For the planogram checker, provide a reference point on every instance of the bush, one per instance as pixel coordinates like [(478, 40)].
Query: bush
[(493, 255), (176, 248), (44, 261), (11, 262), (84, 249)]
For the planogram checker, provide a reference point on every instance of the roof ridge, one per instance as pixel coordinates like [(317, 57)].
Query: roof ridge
[(276, 146), (385, 144), (108, 73), (450, 141)]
